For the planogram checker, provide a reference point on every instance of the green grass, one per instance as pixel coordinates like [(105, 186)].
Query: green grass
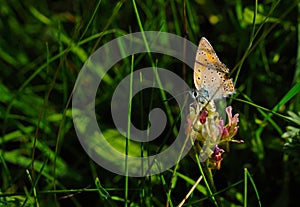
[(43, 47)]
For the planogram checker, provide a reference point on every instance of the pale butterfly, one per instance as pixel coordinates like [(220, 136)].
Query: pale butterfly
[(210, 74)]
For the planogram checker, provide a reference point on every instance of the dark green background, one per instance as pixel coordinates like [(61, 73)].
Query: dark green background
[(44, 44)]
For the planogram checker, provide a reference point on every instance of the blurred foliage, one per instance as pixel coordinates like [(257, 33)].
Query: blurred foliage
[(292, 136), (43, 46)]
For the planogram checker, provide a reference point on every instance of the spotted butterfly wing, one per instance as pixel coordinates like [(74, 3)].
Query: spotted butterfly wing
[(210, 74)]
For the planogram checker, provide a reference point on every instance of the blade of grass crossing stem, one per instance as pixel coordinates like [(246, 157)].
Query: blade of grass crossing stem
[(34, 184), (32, 190), (104, 195)]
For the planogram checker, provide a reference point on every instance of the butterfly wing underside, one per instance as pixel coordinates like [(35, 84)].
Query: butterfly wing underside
[(210, 73)]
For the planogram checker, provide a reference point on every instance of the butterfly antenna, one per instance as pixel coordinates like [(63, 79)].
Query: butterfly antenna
[(179, 94)]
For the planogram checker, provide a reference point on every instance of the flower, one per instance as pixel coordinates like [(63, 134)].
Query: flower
[(203, 115), (216, 157), (230, 130), (208, 130)]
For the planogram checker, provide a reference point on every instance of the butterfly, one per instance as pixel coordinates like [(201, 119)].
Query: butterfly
[(210, 74)]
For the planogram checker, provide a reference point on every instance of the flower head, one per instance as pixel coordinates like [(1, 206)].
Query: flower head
[(208, 130)]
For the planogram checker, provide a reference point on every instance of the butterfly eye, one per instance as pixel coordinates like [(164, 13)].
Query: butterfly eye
[(194, 93)]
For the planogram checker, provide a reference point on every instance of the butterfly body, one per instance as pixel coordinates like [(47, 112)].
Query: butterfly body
[(210, 74)]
